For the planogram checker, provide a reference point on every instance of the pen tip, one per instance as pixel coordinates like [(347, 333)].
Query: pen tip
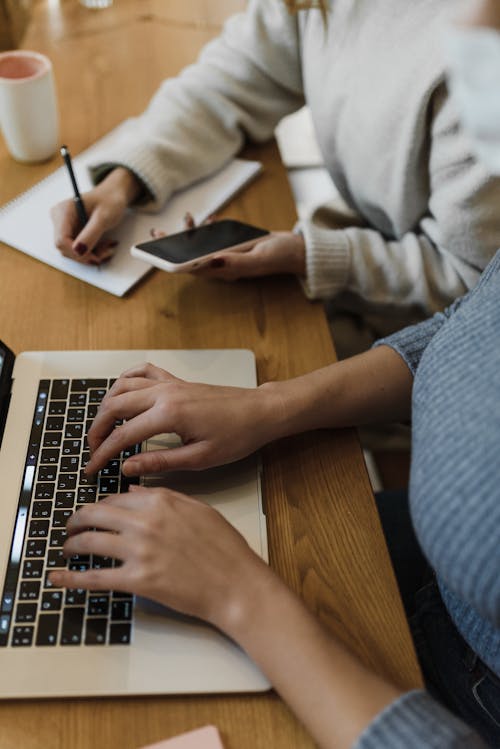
[(63, 150)]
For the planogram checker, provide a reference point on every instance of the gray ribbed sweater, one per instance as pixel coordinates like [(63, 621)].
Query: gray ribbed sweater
[(454, 493)]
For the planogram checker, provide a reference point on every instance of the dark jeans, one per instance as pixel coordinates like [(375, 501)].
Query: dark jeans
[(453, 674)]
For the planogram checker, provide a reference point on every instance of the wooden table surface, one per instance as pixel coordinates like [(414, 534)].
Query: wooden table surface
[(324, 535)]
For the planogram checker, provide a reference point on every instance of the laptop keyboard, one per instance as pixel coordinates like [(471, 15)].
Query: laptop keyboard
[(33, 612)]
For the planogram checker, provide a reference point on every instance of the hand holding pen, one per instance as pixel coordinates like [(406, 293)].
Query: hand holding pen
[(80, 222)]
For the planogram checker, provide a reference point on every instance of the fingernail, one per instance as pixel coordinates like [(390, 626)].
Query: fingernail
[(130, 466), (217, 262), (81, 248)]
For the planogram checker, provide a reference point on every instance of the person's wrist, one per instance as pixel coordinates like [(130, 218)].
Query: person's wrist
[(273, 411), (254, 586), (288, 403), (122, 185)]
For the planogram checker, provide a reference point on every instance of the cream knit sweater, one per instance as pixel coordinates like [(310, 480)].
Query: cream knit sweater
[(425, 215)]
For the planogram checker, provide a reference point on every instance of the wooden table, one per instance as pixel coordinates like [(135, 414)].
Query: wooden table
[(324, 535)]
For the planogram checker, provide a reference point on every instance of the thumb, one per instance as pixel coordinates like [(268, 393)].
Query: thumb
[(90, 235), (185, 458)]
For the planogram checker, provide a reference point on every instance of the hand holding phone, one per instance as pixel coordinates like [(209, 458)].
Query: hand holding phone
[(192, 249)]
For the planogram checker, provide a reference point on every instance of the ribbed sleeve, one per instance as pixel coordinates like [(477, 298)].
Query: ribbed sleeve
[(327, 260), (415, 721), (410, 343)]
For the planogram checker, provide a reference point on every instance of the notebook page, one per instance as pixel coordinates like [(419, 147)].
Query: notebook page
[(25, 222), (202, 738)]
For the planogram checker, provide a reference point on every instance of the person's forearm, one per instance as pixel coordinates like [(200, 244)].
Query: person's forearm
[(328, 689), (370, 388)]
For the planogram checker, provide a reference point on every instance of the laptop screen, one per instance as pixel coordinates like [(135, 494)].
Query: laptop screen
[(6, 366)]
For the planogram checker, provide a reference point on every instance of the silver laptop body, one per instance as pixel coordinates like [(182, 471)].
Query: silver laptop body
[(163, 652)]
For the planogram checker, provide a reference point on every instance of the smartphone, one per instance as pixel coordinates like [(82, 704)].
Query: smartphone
[(193, 248)]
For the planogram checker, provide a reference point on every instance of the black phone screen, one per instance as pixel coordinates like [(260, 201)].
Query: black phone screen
[(193, 243)]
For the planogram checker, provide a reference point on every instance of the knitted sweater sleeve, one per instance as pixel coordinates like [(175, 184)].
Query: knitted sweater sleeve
[(244, 82), (415, 720), (436, 262)]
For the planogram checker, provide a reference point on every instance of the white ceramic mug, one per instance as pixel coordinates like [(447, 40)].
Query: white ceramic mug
[(28, 105)]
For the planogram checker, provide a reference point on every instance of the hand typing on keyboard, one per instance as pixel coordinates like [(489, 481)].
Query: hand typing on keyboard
[(217, 425), (161, 537)]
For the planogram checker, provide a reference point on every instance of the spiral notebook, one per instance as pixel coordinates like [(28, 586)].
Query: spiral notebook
[(26, 226)]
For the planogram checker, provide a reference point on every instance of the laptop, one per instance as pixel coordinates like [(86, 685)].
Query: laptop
[(68, 643)]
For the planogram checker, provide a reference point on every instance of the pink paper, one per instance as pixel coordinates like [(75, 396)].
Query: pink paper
[(207, 737)]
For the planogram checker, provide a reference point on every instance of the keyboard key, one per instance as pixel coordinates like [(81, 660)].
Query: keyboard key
[(79, 566), (36, 548), (57, 537), (121, 610), (56, 558), (92, 410), (111, 469), (49, 455), (33, 568), (73, 431), (71, 447), (47, 473), (83, 385), (109, 485), (120, 633), (51, 439), (78, 400), (86, 494), (96, 396), (22, 636), (75, 597), (100, 563), (98, 605), (26, 612), (85, 558), (64, 500), (59, 390), (29, 590), (129, 451), (57, 408), (60, 518), (66, 481), (41, 510), (44, 491), (48, 625), (54, 424), (52, 600), (75, 415), (39, 528), (69, 463), (95, 631), (85, 480), (72, 625)]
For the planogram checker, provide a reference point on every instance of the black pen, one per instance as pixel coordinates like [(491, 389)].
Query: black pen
[(80, 208)]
